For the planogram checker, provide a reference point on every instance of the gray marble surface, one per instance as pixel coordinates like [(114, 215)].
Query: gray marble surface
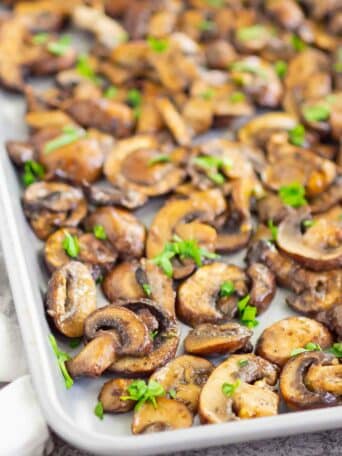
[(319, 444)]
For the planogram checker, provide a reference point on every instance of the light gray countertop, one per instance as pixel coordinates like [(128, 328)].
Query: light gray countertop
[(324, 443)]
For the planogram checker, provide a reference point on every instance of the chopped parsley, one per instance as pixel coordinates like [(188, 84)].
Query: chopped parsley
[(158, 45), (99, 232), (208, 94), (206, 25), (297, 43), (280, 67), (297, 135), (308, 347), (336, 349), (32, 171), (308, 223), (212, 164), (98, 410), (243, 362), (59, 47), (247, 313), (111, 92), (84, 69), (154, 334), (227, 288), (62, 357), (228, 389), (172, 393), (293, 194), (251, 33), (274, 230), (161, 158), (76, 342), (70, 134), (237, 97), (147, 289), (142, 392), (40, 38), (70, 245), (316, 113)]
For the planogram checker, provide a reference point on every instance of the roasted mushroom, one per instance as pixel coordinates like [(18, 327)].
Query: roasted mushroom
[(240, 387), (184, 378), (263, 286), (111, 393), (278, 341), (302, 389), (71, 297)]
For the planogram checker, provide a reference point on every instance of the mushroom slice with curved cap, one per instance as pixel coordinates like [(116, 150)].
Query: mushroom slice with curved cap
[(263, 286), (278, 341), (183, 378), (319, 247), (200, 299), (208, 338), (240, 387), (295, 385), (331, 197), (71, 297), (168, 414), (49, 205), (164, 332), (325, 379), (111, 393), (129, 331), (138, 279), (20, 152), (138, 164), (123, 230), (113, 196)]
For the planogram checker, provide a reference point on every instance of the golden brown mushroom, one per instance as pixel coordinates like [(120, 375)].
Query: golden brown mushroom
[(111, 393)]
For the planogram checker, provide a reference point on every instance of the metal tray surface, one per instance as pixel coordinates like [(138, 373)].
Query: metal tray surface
[(70, 412)]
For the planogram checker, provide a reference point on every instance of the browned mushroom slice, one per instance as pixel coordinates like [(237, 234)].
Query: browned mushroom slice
[(209, 338), (136, 280), (200, 299), (287, 14), (20, 152), (134, 164), (319, 247), (331, 197), (123, 230), (271, 207), (165, 335), (325, 379), (54, 254), (114, 196), (50, 205), (167, 415), (111, 393), (240, 387), (220, 54), (129, 331), (293, 384), (277, 342), (94, 358), (183, 378), (71, 297), (45, 63), (47, 119), (332, 317), (263, 286), (174, 121)]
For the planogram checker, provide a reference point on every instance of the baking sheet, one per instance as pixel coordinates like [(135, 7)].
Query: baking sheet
[(70, 412)]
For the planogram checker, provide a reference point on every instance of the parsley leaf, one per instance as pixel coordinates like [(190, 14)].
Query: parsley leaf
[(237, 97), (134, 98), (32, 171), (293, 194), (111, 92), (154, 334), (208, 94), (336, 349), (308, 223), (273, 229), (62, 357), (212, 164), (247, 313), (142, 392), (147, 289), (158, 45), (243, 362), (297, 43), (280, 67), (297, 135), (70, 134), (99, 232), (316, 113), (206, 25), (59, 47), (84, 68), (308, 347), (227, 288), (172, 393), (40, 38), (253, 32), (70, 245), (161, 158), (98, 410), (228, 389), (76, 342), (245, 67)]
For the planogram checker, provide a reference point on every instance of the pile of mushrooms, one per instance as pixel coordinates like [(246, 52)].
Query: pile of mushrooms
[(123, 128)]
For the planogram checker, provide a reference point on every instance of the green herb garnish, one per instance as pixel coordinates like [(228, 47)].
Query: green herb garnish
[(70, 245), (162, 158), (308, 347), (98, 410), (74, 343), (228, 389), (227, 288), (253, 32), (316, 113), (308, 223), (134, 98), (32, 171), (208, 94), (154, 334), (206, 25), (212, 164), (142, 392), (111, 92), (245, 67), (99, 232), (297, 43), (62, 357), (84, 68), (215, 3), (274, 230), (147, 289), (247, 313), (70, 134), (297, 135), (158, 45), (293, 194), (243, 362), (336, 349), (237, 97), (59, 47), (280, 67), (40, 38), (172, 393)]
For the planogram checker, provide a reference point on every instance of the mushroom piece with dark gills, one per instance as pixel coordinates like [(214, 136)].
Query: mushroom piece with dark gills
[(310, 380), (52, 205), (241, 387), (71, 297), (110, 332)]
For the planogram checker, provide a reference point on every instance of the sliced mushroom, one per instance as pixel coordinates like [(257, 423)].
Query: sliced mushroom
[(277, 341), (319, 247), (138, 279), (253, 397), (123, 230), (165, 342), (263, 286), (111, 393), (325, 379), (199, 299), (174, 121), (184, 377), (271, 207), (71, 297), (114, 196), (294, 386), (325, 201), (167, 415), (50, 205), (20, 152), (208, 338)]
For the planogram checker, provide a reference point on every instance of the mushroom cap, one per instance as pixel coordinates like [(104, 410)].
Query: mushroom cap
[(198, 296), (71, 297), (169, 414), (208, 338), (186, 375), (278, 340), (252, 398), (111, 393), (293, 384)]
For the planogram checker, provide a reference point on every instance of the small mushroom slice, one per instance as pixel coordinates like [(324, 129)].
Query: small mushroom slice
[(138, 279), (325, 379), (319, 247), (184, 376), (111, 393), (50, 205), (293, 381), (271, 207), (208, 338), (20, 152), (71, 297), (123, 230), (199, 299), (165, 342), (331, 197), (254, 378), (332, 318), (263, 286), (278, 340), (174, 121), (113, 196), (168, 414)]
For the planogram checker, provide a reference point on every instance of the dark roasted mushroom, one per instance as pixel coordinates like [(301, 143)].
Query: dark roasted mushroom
[(263, 286), (113, 196), (111, 393)]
